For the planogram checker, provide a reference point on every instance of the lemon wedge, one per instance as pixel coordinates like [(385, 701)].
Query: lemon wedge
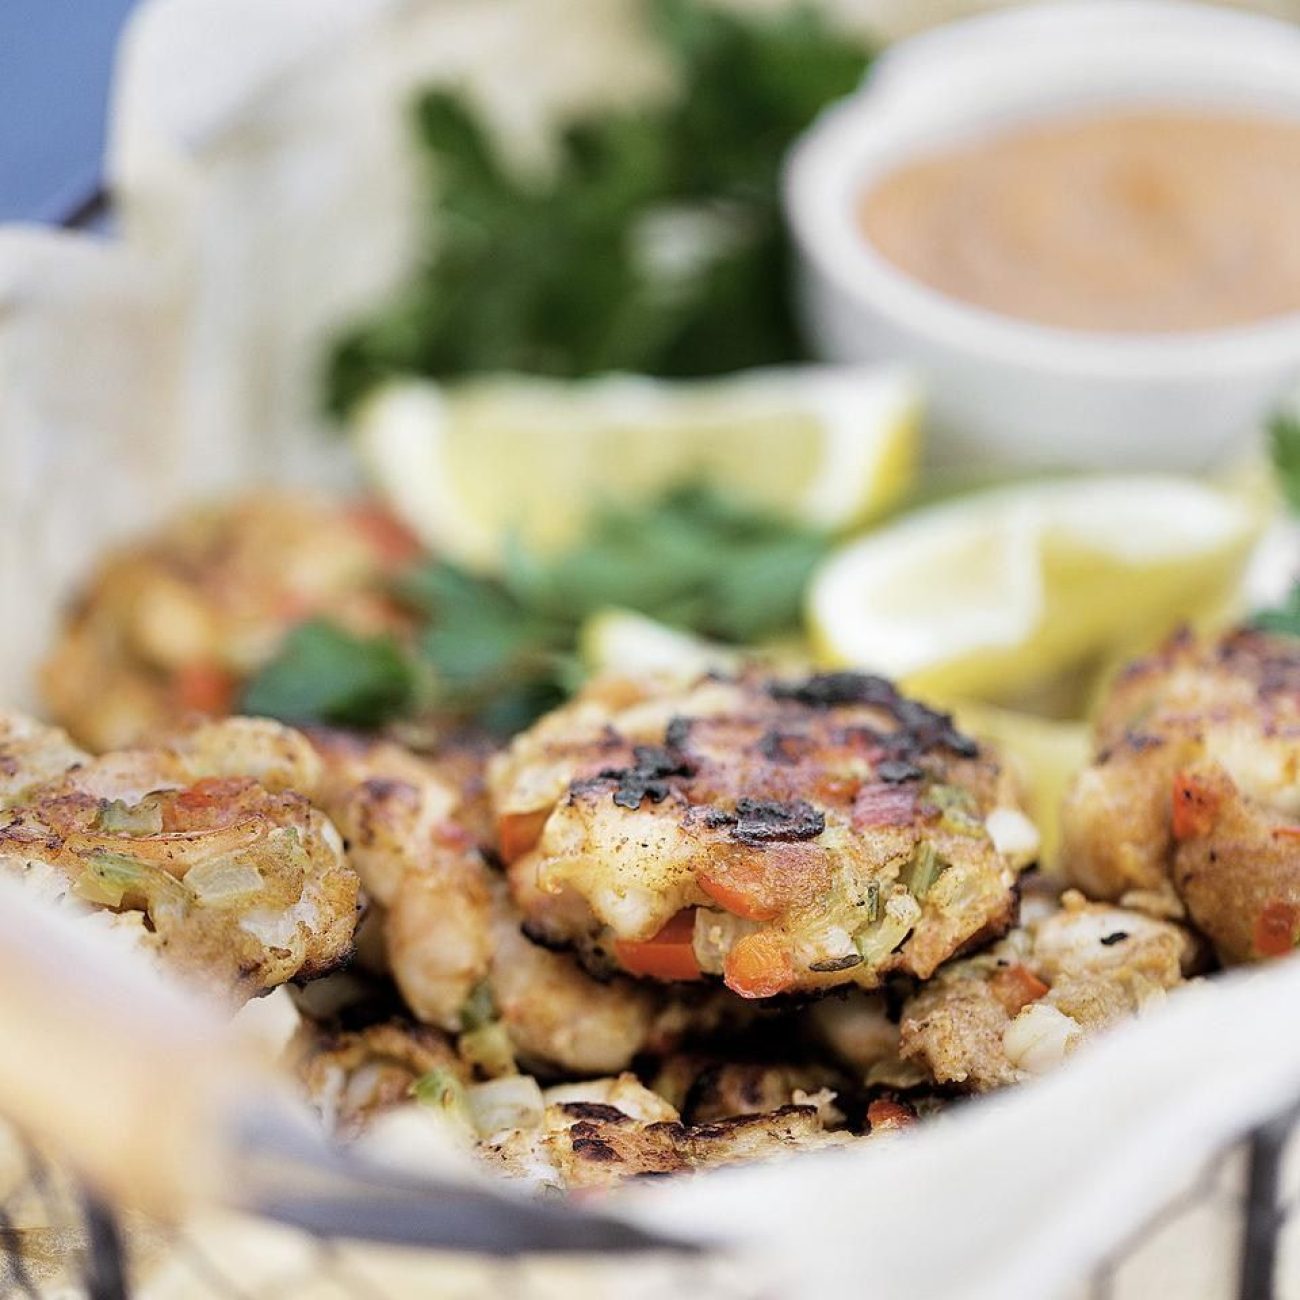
[(466, 467), (995, 595)]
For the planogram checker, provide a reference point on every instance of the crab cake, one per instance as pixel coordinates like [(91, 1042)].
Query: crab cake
[(1018, 1009), (1193, 798), (707, 1088), (237, 883), (789, 835), (352, 1077), (452, 936), (399, 1085), (605, 1131), (401, 816), (178, 621)]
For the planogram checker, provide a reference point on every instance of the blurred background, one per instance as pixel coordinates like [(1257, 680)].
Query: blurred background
[(56, 60)]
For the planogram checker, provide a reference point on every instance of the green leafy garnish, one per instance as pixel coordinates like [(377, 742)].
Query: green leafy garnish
[(695, 560), (655, 244), (1285, 619), (504, 649), (1284, 448), (1284, 444), (324, 674)]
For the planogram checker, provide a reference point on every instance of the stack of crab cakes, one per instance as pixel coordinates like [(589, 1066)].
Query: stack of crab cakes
[(678, 922), (683, 923)]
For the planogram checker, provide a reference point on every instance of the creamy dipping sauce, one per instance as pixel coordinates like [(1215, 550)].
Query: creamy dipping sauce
[(1135, 221)]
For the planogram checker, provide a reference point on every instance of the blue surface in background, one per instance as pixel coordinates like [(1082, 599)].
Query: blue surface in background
[(56, 59)]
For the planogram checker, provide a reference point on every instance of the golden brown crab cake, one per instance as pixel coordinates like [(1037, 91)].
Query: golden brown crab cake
[(606, 1131), (352, 1077), (32, 754), (1193, 798), (555, 1016), (394, 808), (790, 835), (706, 1088), (401, 818), (277, 757), (1018, 1009), (237, 885), (178, 621), (451, 934)]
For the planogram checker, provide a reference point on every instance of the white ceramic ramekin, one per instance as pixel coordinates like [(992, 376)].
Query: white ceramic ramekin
[(1006, 392)]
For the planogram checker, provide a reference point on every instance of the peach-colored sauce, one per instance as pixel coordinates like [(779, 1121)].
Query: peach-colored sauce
[(1134, 221)]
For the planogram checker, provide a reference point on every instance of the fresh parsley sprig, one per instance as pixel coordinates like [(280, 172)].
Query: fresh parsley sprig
[(503, 649), (655, 246), (324, 674), (1284, 448)]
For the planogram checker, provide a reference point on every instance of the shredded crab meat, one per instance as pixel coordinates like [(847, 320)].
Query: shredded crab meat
[(1020, 1008)]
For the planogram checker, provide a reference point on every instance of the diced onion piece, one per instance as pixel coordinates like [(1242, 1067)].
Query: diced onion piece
[(110, 878), (512, 1102), (443, 1095), (224, 882), (118, 817), (1012, 833), (1039, 1038)]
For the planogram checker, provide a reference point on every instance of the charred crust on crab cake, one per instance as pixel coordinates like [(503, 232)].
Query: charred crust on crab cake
[(536, 933), (586, 1146), (646, 777), (860, 812), (594, 1110), (757, 822), (925, 727)]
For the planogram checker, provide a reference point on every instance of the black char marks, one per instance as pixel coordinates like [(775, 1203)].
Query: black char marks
[(783, 747), (920, 728), (594, 1110), (759, 821), (677, 733), (646, 778), (897, 770), (833, 964)]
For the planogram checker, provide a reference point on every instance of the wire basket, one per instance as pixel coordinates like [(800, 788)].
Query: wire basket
[(1229, 1234)]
